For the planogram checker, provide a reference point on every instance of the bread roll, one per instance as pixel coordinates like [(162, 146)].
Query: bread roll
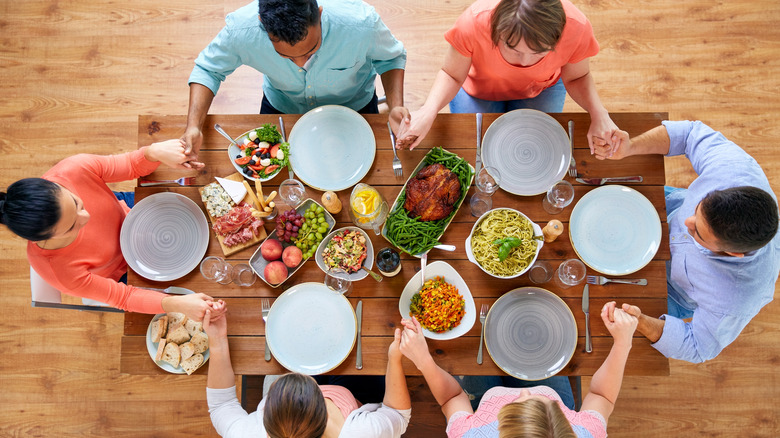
[(192, 364), (171, 354), (201, 342), (178, 334)]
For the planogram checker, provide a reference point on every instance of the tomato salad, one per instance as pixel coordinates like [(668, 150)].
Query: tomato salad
[(262, 152)]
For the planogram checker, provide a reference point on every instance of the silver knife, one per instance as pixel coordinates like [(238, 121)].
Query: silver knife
[(600, 181), (478, 161), (359, 313), (586, 308)]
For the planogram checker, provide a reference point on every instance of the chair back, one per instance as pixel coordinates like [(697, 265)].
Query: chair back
[(45, 295)]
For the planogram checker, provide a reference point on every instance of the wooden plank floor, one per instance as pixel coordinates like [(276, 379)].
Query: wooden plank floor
[(76, 74)]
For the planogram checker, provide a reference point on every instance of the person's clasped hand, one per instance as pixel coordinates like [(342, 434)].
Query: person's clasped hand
[(621, 325), (214, 321), (173, 154), (615, 149), (413, 344)]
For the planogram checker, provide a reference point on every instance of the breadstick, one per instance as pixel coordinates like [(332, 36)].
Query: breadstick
[(259, 187), (270, 197), (252, 196)]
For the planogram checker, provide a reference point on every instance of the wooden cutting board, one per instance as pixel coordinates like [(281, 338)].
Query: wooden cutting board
[(230, 250)]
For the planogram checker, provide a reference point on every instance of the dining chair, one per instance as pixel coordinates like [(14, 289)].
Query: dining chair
[(45, 295)]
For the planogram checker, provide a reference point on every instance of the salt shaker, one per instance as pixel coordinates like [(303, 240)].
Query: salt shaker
[(552, 230), (388, 261)]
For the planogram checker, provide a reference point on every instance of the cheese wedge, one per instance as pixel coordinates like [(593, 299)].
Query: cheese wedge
[(235, 189)]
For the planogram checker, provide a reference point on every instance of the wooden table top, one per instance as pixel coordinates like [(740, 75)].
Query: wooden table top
[(457, 133)]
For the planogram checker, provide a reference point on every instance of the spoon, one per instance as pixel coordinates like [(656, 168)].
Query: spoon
[(222, 131), (444, 247), (423, 262), (373, 274)]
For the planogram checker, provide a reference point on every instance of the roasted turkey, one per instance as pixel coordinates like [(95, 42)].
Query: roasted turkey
[(432, 193)]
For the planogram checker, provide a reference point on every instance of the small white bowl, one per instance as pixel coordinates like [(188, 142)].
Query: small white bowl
[(537, 232), (451, 276)]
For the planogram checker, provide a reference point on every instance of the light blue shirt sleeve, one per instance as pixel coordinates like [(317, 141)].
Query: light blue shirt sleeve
[(724, 292)]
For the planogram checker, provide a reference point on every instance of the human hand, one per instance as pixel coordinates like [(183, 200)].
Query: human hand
[(214, 321), (602, 127), (192, 305), (172, 154), (621, 325), (617, 148), (193, 139), (413, 129), (397, 116), (394, 352), (413, 344)]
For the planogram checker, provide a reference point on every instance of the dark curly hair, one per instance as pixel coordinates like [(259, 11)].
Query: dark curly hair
[(288, 20), (31, 208), (742, 218)]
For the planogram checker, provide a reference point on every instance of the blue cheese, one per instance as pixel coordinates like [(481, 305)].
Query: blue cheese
[(216, 200)]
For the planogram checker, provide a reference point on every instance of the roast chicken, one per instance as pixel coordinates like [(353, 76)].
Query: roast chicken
[(432, 193)]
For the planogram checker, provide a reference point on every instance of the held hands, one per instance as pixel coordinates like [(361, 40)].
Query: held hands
[(193, 305), (215, 322), (617, 148), (192, 139), (601, 127), (413, 129), (398, 115), (412, 344), (621, 325), (172, 153)]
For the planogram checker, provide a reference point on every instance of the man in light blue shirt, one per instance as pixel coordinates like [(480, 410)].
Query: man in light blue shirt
[(723, 238), (310, 55)]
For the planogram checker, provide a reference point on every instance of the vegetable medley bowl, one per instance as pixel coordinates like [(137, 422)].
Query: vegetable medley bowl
[(449, 275), (346, 254), (504, 243), (259, 154)]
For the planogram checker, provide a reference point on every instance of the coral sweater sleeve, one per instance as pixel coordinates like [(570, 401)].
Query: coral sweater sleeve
[(91, 266)]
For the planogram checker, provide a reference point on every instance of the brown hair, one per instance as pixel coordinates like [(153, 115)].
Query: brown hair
[(533, 419), (537, 22), (295, 408)]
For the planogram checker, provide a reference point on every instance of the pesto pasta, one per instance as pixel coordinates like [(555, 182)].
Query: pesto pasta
[(497, 225)]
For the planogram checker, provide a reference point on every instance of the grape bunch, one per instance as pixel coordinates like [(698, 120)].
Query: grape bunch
[(314, 228), (288, 224)]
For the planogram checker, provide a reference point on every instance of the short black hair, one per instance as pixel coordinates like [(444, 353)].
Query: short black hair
[(31, 208), (288, 20), (742, 218)]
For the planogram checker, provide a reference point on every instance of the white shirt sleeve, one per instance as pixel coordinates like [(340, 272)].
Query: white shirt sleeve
[(375, 420), (230, 420)]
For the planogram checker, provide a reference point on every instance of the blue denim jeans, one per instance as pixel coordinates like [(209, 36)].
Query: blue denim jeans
[(476, 386), (129, 198), (549, 101)]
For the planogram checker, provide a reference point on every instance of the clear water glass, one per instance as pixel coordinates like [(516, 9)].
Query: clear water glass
[(487, 182), (338, 281), (292, 192), (558, 197), (243, 275), (541, 272), (570, 273), (216, 269)]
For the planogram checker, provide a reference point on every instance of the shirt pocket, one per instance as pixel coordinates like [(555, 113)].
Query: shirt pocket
[(340, 79)]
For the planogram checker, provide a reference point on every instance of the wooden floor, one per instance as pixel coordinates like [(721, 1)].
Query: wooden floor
[(76, 74)]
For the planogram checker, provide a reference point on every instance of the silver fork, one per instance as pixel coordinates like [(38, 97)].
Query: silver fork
[(600, 280), (266, 305), (572, 162), (398, 169), (183, 181), (483, 311)]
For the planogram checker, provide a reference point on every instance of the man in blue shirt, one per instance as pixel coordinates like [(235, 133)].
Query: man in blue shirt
[(723, 237), (309, 55)]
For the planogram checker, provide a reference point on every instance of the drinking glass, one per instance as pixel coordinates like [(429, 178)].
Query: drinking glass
[(570, 273), (558, 197), (540, 272), (216, 269), (243, 275), (292, 192), (338, 281), (487, 181)]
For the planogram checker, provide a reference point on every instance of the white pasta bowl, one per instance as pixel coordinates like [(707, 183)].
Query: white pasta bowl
[(537, 232)]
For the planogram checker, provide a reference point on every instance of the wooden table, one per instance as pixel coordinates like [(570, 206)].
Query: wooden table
[(457, 133)]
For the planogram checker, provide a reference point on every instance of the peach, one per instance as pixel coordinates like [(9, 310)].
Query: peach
[(271, 250), (275, 272), (291, 256)]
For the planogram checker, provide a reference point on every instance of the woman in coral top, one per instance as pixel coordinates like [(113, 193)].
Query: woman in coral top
[(72, 221), (511, 54), (534, 411)]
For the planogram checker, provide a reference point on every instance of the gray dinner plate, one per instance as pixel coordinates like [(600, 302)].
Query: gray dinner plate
[(530, 333)]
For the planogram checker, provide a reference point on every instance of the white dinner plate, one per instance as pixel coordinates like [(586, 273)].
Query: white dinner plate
[(615, 230), (311, 329), (152, 346), (530, 333), (451, 276), (164, 236), (331, 148), (529, 148), (368, 262)]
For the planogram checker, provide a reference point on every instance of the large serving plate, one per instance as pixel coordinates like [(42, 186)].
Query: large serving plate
[(311, 329), (164, 236), (615, 230), (399, 203), (234, 150), (530, 333), (368, 262), (332, 147), (451, 276), (529, 148)]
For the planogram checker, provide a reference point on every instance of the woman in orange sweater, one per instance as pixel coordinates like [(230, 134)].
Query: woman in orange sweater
[(72, 221)]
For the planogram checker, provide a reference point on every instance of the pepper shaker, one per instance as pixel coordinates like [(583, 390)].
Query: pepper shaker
[(552, 230)]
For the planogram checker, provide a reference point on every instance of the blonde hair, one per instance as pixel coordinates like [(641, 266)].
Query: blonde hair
[(295, 408), (537, 22), (533, 419)]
